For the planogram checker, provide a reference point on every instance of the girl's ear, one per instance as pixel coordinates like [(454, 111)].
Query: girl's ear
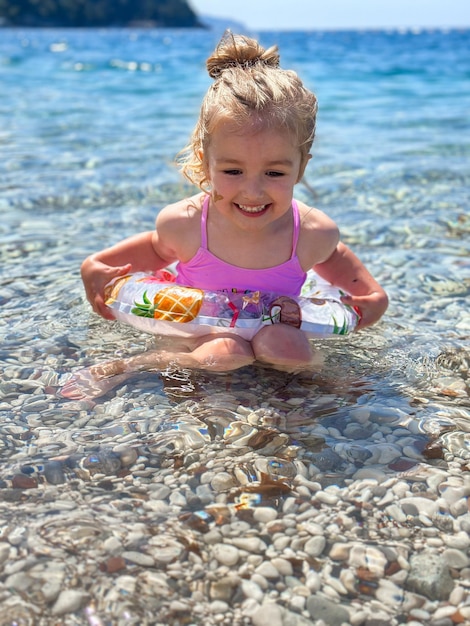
[(303, 165)]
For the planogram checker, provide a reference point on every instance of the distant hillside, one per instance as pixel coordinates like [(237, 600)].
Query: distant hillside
[(93, 13)]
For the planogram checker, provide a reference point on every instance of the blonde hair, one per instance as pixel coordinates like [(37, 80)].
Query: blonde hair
[(249, 82)]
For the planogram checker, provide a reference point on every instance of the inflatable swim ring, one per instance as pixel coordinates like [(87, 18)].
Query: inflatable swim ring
[(154, 303)]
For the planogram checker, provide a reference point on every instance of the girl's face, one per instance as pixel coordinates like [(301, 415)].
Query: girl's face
[(252, 173)]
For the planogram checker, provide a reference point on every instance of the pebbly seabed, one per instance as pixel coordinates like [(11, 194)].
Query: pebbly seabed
[(236, 500)]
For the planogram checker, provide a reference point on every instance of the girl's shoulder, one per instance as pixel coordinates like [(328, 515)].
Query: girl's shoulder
[(312, 219), (181, 212), (318, 236), (178, 226), (180, 217)]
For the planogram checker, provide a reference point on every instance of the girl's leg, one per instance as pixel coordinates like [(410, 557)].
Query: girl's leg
[(222, 353), (284, 347), (218, 353)]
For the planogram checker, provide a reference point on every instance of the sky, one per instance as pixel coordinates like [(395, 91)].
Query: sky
[(332, 14)]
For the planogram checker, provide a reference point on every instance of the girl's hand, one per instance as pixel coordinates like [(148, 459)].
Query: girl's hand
[(96, 275), (370, 307)]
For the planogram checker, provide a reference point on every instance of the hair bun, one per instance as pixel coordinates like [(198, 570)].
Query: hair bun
[(240, 51)]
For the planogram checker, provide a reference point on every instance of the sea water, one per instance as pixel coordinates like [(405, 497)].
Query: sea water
[(90, 123)]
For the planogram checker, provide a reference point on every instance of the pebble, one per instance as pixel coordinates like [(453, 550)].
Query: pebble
[(250, 544), (69, 601), (222, 481), (320, 608), (4, 552), (139, 558), (226, 554), (218, 606), (223, 588), (455, 558), (327, 498), (252, 590), (416, 506), (112, 545), (340, 551), (160, 492), (369, 558), (264, 514), (459, 541), (19, 581), (315, 546), (283, 566), (389, 593), (269, 614), (430, 576), (268, 570)]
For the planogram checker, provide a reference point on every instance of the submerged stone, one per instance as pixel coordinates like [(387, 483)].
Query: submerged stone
[(430, 576)]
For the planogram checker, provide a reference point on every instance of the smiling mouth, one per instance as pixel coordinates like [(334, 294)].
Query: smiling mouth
[(252, 209)]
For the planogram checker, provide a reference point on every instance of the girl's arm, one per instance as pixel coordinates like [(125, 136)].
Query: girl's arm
[(137, 254), (148, 251), (344, 270)]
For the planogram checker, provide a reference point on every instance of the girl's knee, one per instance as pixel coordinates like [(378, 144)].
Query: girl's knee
[(223, 353), (281, 344)]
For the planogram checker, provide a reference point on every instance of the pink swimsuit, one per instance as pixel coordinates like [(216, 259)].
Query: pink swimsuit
[(210, 273)]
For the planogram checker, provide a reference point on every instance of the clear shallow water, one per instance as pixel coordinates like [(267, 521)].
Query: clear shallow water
[(89, 124)]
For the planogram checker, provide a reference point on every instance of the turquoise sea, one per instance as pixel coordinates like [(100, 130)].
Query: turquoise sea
[(90, 123)]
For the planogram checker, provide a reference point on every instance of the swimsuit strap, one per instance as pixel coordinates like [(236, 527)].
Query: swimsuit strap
[(205, 208), (296, 233)]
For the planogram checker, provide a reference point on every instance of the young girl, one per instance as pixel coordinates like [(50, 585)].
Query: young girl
[(244, 230)]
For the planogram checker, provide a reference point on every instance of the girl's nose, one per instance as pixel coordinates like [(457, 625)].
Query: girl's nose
[(253, 188)]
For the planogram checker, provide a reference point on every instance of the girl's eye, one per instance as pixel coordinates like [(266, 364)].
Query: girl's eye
[(232, 172), (275, 174)]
